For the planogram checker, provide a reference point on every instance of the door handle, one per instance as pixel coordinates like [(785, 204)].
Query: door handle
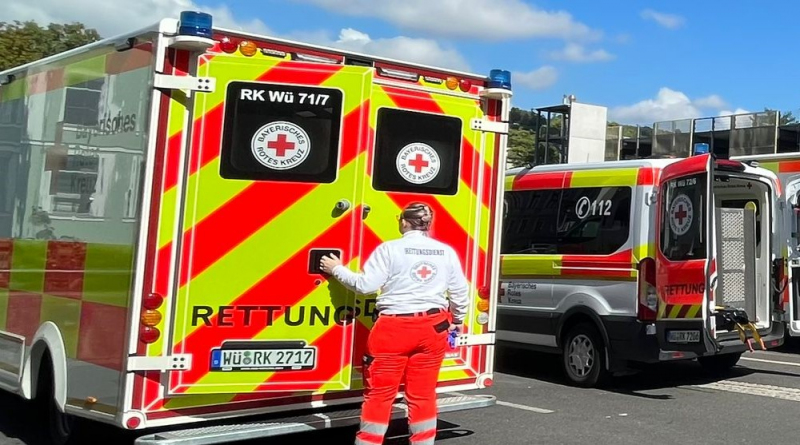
[(365, 211), (342, 205)]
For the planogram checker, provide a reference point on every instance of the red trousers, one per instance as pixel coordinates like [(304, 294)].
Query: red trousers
[(396, 344)]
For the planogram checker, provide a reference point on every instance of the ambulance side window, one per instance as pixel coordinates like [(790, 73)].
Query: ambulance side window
[(683, 222), (530, 223), (416, 152), (275, 132), (594, 220)]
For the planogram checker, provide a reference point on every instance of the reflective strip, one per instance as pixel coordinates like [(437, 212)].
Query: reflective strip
[(421, 427), (373, 428)]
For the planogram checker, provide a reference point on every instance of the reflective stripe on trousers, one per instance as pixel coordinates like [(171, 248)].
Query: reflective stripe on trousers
[(396, 344), (423, 433), (371, 433)]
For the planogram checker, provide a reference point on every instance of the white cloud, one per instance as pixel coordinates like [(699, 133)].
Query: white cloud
[(114, 17), (538, 79), (423, 51), (736, 111), (574, 52), (668, 105), (712, 101), (489, 20), (669, 21)]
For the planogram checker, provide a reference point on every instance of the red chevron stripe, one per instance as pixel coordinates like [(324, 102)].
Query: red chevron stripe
[(273, 289), (180, 67), (413, 100), (292, 293), (279, 292), (212, 238), (470, 170), (209, 141), (684, 310)]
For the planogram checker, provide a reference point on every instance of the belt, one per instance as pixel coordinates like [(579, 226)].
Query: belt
[(431, 311)]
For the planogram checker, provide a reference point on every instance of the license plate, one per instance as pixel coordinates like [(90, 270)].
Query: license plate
[(263, 359), (683, 336)]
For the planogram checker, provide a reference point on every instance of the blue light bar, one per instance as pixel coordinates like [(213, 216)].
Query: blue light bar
[(700, 148), (500, 79), (195, 23)]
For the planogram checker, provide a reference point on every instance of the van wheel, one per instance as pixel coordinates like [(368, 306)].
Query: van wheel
[(584, 356), (62, 428), (719, 364)]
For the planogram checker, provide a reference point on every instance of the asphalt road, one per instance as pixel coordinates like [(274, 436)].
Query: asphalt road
[(674, 403)]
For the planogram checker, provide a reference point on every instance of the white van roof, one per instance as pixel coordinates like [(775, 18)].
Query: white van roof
[(605, 165)]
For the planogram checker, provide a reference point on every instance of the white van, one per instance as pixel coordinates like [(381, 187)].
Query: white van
[(617, 263)]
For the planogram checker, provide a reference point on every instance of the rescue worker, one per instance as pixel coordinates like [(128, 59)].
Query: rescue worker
[(411, 332)]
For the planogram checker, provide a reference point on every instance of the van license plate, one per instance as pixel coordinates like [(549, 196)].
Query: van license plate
[(263, 359), (683, 336)]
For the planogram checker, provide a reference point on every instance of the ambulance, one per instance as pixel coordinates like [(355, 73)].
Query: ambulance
[(617, 264), (166, 196)]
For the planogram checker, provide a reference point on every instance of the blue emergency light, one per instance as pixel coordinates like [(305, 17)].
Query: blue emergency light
[(500, 79), (195, 23), (700, 148)]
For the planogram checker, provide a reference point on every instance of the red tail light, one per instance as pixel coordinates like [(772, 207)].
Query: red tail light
[(148, 334), (150, 318), (648, 299)]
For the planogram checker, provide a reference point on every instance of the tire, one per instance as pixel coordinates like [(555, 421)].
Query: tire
[(719, 364), (584, 356), (62, 428)]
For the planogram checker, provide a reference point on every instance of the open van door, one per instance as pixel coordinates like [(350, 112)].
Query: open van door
[(792, 224), (685, 256)]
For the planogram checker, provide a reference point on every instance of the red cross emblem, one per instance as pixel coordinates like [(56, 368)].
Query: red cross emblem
[(418, 163), (680, 214), (423, 272), (281, 145)]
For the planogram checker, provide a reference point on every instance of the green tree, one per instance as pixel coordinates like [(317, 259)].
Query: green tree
[(25, 42), (521, 147)]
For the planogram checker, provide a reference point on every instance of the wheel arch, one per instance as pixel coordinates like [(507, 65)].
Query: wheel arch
[(575, 316), (47, 340)]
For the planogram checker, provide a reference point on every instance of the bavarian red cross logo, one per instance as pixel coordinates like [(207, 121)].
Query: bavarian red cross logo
[(418, 163), (681, 213), (280, 145), (423, 271)]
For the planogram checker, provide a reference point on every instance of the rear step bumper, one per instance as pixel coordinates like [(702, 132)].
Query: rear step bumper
[(275, 427)]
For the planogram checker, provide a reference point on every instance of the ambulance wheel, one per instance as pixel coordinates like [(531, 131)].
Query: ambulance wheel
[(584, 356), (719, 364), (62, 428)]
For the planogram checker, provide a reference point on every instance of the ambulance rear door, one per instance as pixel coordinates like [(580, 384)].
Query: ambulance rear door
[(272, 181), (685, 263), (792, 237), (427, 149)]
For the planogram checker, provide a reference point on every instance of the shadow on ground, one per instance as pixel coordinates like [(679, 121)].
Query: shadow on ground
[(548, 368), (22, 424)]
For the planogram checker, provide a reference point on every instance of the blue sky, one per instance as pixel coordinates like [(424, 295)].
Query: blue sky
[(651, 61)]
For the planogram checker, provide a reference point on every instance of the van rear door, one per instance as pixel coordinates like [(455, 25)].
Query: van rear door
[(685, 262), (792, 237)]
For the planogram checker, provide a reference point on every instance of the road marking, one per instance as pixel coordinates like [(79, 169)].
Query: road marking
[(525, 407), (755, 389), (513, 405), (774, 362)]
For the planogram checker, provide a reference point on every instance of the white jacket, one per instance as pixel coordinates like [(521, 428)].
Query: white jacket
[(413, 274)]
